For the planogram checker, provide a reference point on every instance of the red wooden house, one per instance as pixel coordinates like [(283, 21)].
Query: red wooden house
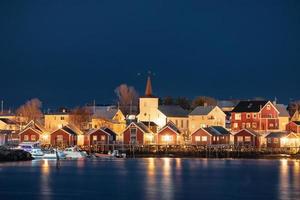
[(169, 134), (293, 126), (137, 133), (211, 135), (99, 137), (247, 137), (255, 115), (32, 132), (274, 139), (64, 136)]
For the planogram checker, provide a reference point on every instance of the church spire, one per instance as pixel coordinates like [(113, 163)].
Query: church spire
[(148, 92)]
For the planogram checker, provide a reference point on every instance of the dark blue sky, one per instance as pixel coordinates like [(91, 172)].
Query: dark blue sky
[(71, 52)]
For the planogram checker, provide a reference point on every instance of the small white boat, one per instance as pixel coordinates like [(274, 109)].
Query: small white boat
[(74, 153), (53, 155), (36, 153), (114, 154)]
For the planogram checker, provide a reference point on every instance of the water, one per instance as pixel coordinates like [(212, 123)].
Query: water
[(151, 178)]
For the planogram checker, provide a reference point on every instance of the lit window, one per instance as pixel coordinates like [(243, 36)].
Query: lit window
[(271, 125), (237, 116), (133, 135), (59, 138), (247, 139), (26, 137), (33, 137), (268, 107), (197, 138), (167, 138), (254, 115), (276, 140), (240, 139), (254, 125), (248, 125), (235, 125), (204, 138), (269, 140), (102, 137), (95, 137)]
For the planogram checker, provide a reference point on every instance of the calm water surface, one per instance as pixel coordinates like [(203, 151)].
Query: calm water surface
[(151, 178)]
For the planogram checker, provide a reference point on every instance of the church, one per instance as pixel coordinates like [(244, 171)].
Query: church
[(153, 113)]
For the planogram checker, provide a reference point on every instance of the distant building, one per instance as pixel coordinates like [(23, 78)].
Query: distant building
[(100, 136), (283, 116), (247, 138), (34, 132), (275, 139), (57, 120), (64, 136), (255, 115), (169, 135), (211, 136), (138, 133), (205, 116), (9, 124), (150, 111)]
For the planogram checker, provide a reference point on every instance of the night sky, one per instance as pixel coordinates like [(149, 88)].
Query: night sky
[(71, 52)]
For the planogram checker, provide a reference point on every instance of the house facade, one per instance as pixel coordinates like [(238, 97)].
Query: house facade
[(64, 136), (205, 116), (137, 133), (293, 126), (275, 139), (247, 137), (101, 136), (255, 115), (169, 135), (284, 116), (211, 136), (54, 121)]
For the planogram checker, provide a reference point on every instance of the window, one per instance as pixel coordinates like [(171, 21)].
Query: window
[(276, 140), (235, 125), (103, 137), (176, 122), (254, 115), (62, 118), (243, 125), (268, 107), (133, 135), (33, 137), (26, 138), (167, 138), (95, 137), (271, 125), (240, 139), (248, 125), (269, 140), (181, 123), (237, 116), (197, 138), (247, 138), (59, 138), (214, 138), (204, 138), (254, 125), (248, 115), (95, 126)]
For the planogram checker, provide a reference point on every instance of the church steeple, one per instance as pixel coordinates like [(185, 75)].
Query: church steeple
[(148, 92)]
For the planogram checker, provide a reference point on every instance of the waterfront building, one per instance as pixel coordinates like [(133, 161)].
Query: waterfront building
[(293, 126), (205, 116), (211, 136), (100, 136), (65, 136), (138, 133), (56, 120), (33, 132), (276, 139), (169, 135), (256, 115), (247, 137), (284, 116)]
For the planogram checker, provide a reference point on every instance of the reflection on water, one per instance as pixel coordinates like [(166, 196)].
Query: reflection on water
[(289, 179), (151, 178)]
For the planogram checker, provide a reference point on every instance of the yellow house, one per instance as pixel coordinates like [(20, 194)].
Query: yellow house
[(205, 116), (283, 116), (57, 120), (110, 117)]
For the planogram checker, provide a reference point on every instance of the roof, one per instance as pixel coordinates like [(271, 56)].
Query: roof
[(277, 134), (221, 130), (227, 103), (296, 122), (110, 132), (141, 126), (282, 110), (202, 110), (172, 126), (217, 131), (149, 123), (173, 111), (35, 125), (107, 112), (69, 130), (249, 131), (8, 121), (249, 106)]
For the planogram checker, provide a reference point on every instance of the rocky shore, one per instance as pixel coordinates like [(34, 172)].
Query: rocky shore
[(13, 155)]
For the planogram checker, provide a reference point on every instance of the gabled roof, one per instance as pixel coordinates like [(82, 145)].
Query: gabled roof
[(107, 112), (8, 121), (69, 130), (252, 132), (227, 103), (35, 125), (282, 110), (249, 106), (173, 111), (109, 131), (140, 126), (212, 131), (296, 122), (171, 126), (202, 110), (149, 123), (277, 134), (221, 130)]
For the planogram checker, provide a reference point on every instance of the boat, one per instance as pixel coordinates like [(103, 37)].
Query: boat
[(74, 153), (36, 153), (53, 155), (29, 146), (113, 154)]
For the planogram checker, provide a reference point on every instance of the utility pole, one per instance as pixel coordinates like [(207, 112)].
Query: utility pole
[(2, 102)]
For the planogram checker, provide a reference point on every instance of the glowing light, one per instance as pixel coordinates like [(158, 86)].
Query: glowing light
[(167, 138)]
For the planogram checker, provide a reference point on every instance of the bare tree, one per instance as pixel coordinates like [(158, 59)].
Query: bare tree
[(31, 110), (80, 116), (204, 101), (127, 97)]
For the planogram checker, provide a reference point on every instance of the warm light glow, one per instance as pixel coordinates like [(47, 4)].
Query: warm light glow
[(167, 138), (45, 137)]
